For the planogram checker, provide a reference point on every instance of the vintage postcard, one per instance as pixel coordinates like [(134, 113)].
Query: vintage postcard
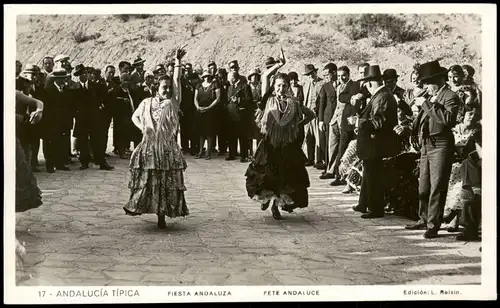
[(234, 153)]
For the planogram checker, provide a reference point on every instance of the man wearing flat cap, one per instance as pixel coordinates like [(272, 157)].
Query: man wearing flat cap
[(433, 130), (312, 89), (376, 140)]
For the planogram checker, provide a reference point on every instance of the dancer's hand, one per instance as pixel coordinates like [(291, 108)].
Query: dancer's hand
[(180, 53), (36, 116)]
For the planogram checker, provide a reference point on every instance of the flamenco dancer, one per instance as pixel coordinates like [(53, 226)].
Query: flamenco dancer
[(28, 194), (157, 165), (277, 175)]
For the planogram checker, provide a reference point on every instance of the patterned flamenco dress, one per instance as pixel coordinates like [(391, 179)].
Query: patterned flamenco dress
[(157, 165), (277, 175)]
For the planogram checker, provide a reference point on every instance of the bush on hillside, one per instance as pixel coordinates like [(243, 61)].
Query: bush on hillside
[(124, 17), (320, 47), (199, 18), (382, 29)]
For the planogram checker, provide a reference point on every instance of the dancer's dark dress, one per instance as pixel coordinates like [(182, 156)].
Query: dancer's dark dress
[(28, 195), (277, 172)]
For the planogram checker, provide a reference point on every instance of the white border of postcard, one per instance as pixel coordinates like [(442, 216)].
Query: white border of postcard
[(48, 295)]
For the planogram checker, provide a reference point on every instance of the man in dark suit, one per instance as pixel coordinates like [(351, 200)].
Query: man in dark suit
[(189, 139), (90, 120), (433, 127), (341, 131), (124, 106), (239, 102), (327, 105), (376, 140), (110, 84), (57, 121)]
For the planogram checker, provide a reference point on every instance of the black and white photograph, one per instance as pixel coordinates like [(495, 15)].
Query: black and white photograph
[(249, 152)]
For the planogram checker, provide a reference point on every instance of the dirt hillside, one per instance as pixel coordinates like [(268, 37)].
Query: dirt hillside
[(395, 41)]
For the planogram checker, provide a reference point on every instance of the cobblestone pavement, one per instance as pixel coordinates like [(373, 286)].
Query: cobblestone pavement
[(81, 236)]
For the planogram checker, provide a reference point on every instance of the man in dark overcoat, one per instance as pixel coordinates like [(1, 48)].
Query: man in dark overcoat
[(376, 141)]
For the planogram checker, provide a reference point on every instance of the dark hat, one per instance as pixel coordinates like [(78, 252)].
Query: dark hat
[(31, 69), (309, 68), (293, 75), (79, 69), (97, 71), (138, 61), (188, 64), (430, 69), (158, 68), (234, 63), (255, 72), (59, 73), (222, 71), (390, 74), (270, 62), (372, 72), (206, 73), (211, 63)]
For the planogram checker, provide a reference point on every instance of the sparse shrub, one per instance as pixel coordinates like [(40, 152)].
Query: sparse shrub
[(191, 29), (277, 17), (199, 18), (285, 28), (319, 47), (79, 36), (151, 35), (392, 28), (262, 31), (124, 17), (144, 16)]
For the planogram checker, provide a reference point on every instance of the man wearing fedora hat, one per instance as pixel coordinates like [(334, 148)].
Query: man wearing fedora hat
[(376, 141), (57, 121), (138, 74), (312, 88), (433, 129), (390, 77)]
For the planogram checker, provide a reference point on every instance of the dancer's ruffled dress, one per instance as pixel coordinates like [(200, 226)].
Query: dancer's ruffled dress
[(157, 165), (277, 173)]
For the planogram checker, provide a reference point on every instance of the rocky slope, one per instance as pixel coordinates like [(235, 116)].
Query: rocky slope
[(388, 40)]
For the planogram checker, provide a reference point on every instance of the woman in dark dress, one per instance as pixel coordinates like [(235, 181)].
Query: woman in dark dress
[(277, 174), (206, 98)]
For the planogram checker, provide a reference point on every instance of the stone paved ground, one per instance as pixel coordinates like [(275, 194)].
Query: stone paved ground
[(81, 236)]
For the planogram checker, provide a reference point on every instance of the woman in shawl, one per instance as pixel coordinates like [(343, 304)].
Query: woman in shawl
[(277, 173), (157, 165)]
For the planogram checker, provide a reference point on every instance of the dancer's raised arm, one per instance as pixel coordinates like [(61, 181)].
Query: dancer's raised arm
[(266, 76), (177, 75)]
